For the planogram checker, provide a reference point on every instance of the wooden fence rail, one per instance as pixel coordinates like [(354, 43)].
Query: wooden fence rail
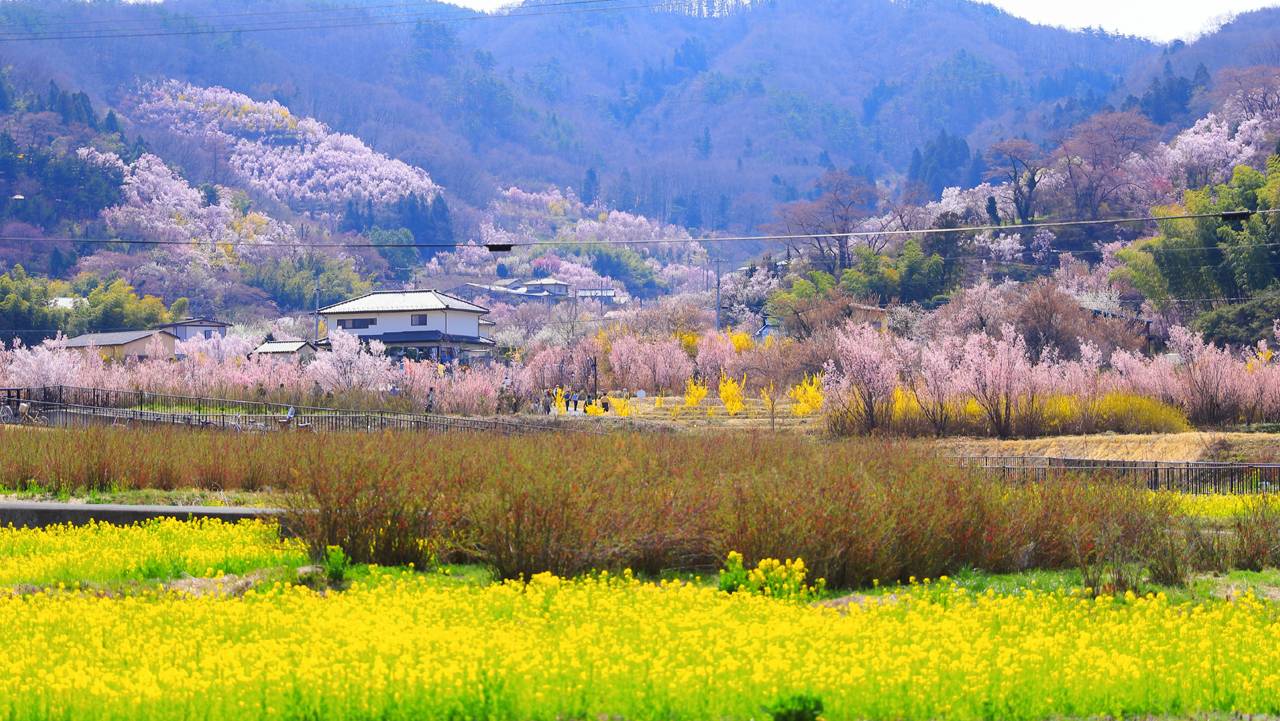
[(69, 406), (1183, 476)]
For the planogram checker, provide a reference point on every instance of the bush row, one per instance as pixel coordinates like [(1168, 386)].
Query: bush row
[(855, 510), (1027, 416)]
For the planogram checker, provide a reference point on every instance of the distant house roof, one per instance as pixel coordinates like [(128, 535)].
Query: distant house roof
[(1109, 308), (545, 281), (195, 321), (873, 309), (393, 301), (486, 321), (502, 290), (286, 347), (106, 340), (67, 302), (768, 326)]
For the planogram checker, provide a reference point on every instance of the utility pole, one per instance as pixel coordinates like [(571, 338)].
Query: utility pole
[(717, 261), (573, 323), (315, 334)]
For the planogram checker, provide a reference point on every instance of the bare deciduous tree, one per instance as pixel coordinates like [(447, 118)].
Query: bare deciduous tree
[(1022, 165), (843, 202), (1095, 155)]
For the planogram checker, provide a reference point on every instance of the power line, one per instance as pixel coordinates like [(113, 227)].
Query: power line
[(669, 240), (335, 9), (405, 18), (417, 11)]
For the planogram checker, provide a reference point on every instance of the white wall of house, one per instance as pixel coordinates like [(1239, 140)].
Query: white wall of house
[(186, 332), (453, 322)]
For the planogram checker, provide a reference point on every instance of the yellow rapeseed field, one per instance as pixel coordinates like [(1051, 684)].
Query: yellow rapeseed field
[(1223, 506), (155, 550), (403, 646)]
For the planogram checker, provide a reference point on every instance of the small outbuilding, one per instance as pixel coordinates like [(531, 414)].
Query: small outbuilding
[(129, 344), (300, 351)]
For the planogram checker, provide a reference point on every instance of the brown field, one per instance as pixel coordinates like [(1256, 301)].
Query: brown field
[(1192, 446), (755, 416)]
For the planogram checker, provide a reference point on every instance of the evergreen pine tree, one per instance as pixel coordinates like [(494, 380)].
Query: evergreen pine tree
[(590, 187)]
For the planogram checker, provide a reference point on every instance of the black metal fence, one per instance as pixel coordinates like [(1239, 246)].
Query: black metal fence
[(1183, 476), (71, 406)]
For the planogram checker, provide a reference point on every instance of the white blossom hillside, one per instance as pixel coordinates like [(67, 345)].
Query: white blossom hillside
[(294, 160)]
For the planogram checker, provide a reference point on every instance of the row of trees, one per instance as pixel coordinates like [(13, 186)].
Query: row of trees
[(29, 314), (1016, 393), (873, 380), (1199, 262)]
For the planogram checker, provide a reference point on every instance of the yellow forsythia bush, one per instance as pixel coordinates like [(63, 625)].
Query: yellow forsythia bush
[(806, 396), (731, 394), (694, 393)]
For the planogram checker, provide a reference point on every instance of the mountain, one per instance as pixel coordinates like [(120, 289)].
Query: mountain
[(706, 116), (259, 159)]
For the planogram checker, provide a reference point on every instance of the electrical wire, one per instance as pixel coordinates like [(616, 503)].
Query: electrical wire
[(667, 241), (405, 18), (334, 9)]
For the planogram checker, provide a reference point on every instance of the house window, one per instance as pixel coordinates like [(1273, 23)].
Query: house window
[(208, 334), (422, 319), (356, 323)]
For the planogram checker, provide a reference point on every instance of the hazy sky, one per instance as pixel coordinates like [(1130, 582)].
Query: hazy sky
[(1157, 19)]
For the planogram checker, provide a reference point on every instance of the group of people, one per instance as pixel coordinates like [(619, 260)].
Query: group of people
[(576, 401)]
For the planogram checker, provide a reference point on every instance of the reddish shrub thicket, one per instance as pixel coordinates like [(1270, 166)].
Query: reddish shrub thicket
[(855, 510)]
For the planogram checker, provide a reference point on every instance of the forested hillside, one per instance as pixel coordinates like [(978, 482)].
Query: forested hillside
[(257, 160), (704, 121)]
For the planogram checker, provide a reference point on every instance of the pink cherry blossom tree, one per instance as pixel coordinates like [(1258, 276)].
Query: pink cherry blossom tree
[(860, 378), (998, 374), (350, 366)]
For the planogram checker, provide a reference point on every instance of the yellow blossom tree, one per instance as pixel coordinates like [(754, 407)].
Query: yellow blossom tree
[(769, 396), (694, 392), (741, 341), (731, 394), (806, 396)]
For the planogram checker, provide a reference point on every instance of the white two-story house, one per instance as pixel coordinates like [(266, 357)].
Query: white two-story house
[(418, 324), (189, 328)]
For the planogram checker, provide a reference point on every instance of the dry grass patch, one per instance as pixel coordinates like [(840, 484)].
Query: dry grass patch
[(1191, 446)]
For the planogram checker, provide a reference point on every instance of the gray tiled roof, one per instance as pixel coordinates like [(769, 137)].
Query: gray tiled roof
[(393, 301), (102, 340), (281, 346)]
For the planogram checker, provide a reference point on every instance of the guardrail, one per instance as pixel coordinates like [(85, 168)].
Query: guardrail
[(69, 406), (1183, 476)]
